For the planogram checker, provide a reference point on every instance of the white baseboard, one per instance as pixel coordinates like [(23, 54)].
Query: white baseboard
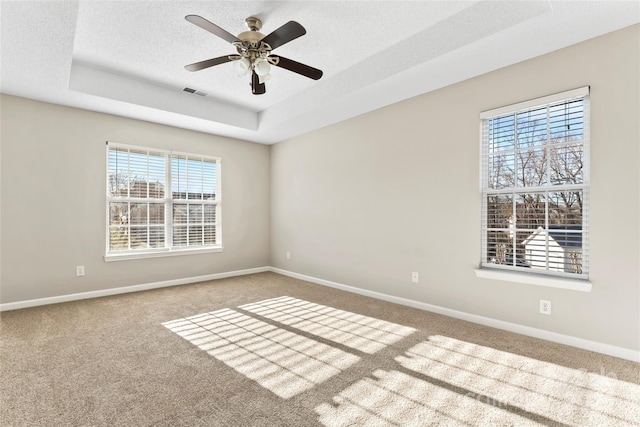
[(623, 353), (598, 347), (127, 289)]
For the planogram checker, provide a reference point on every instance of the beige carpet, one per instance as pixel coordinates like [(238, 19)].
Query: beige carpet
[(268, 350)]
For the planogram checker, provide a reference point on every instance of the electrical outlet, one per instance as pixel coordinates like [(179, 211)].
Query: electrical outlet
[(79, 270), (288, 255), (545, 307), (415, 277)]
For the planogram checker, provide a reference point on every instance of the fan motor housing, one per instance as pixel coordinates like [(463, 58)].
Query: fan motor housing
[(252, 37)]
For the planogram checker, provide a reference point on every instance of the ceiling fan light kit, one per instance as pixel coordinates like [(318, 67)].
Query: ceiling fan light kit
[(254, 51), (243, 66)]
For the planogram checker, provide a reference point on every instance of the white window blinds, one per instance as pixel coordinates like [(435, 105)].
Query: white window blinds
[(159, 201), (535, 185), (194, 192)]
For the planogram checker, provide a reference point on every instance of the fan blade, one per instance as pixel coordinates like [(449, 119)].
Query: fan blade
[(212, 28), (208, 63), (257, 88), (296, 67), (289, 31)]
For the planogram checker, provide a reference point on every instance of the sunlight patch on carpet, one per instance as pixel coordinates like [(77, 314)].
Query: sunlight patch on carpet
[(356, 331), (280, 361), (565, 395), (393, 398)]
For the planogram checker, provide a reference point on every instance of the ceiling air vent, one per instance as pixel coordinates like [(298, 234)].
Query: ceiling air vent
[(194, 91)]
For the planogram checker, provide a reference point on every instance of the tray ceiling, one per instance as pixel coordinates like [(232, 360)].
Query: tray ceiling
[(127, 57)]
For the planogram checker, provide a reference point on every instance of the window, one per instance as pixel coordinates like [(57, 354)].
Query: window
[(161, 202), (535, 185)]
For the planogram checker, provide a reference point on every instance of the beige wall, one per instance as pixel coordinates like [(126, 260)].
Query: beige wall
[(363, 202), (367, 201), (53, 201)]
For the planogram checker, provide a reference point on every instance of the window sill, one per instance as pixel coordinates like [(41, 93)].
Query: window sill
[(159, 254), (533, 279)]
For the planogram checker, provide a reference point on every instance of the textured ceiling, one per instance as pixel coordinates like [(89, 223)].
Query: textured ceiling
[(127, 57)]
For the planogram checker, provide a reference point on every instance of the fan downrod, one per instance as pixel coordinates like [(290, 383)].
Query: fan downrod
[(253, 23)]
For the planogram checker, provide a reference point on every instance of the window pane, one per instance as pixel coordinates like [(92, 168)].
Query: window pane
[(180, 213), (209, 235), (501, 134), (210, 214), (565, 209), (499, 247), (118, 238), (209, 181), (139, 213), (566, 164), (532, 127), (502, 170), (157, 176), (530, 211), (566, 121), (118, 172), (558, 248), (194, 180), (118, 213), (139, 237), (195, 214), (195, 235), (179, 176), (499, 237), (535, 248), (518, 257), (138, 188), (156, 237), (565, 251), (138, 174), (531, 168), (156, 213), (180, 235), (570, 251), (556, 258), (499, 210)]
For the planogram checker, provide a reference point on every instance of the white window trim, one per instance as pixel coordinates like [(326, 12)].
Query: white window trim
[(494, 272), (525, 105), (160, 253), (534, 279), (168, 251)]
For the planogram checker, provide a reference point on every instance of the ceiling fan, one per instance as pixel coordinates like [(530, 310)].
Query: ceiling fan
[(254, 51)]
